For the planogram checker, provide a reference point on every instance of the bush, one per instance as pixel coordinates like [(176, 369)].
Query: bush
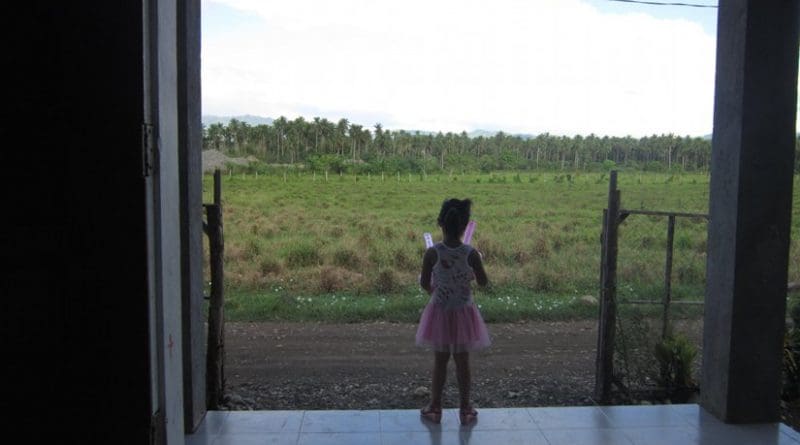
[(269, 266), (544, 280), (675, 355), (252, 249), (403, 262), (541, 248), (347, 258), (331, 279), (791, 372), (634, 341), (791, 357), (302, 255), (386, 281)]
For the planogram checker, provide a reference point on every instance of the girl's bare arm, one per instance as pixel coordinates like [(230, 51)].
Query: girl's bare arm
[(476, 263)]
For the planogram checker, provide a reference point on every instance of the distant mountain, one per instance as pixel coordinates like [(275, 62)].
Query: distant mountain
[(247, 118), (478, 133), (488, 134), (422, 132), (253, 120), (472, 134)]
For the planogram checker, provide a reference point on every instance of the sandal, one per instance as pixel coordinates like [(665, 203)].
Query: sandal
[(467, 415), (432, 414)]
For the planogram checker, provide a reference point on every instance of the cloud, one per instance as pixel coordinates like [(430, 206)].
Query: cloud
[(557, 66)]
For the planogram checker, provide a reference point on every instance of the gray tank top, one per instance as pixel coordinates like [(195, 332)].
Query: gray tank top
[(452, 275)]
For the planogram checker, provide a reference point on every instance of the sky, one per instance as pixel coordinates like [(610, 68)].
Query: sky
[(563, 67)]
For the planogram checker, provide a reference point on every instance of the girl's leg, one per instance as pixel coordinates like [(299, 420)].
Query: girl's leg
[(464, 377), (438, 378)]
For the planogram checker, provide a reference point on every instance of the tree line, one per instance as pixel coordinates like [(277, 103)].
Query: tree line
[(344, 146)]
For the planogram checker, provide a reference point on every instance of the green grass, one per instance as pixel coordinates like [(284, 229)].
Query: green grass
[(350, 248), (511, 305)]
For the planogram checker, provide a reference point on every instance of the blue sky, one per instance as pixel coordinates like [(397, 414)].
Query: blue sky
[(706, 17), (557, 66)]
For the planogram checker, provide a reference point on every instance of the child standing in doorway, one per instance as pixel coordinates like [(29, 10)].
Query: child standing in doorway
[(451, 324)]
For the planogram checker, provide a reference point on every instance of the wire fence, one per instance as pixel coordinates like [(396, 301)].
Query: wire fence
[(651, 309), (660, 285)]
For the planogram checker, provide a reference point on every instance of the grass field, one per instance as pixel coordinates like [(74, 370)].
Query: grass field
[(300, 247)]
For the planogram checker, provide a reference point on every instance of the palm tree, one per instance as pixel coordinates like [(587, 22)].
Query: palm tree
[(355, 133), (317, 129), (280, 125), (297, 136), (380, 140), (262, 134), (342, 127), (365, 139), (215, 136), (326, 129)]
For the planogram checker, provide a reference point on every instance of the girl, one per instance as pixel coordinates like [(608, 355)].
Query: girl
[(451, 323)]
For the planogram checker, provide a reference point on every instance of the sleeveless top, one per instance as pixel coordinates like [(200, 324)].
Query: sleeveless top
[(451, 276)]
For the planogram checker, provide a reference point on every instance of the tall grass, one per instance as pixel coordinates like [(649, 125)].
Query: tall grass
[(539, 234)]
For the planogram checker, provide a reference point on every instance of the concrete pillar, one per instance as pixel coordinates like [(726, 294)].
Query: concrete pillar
[(190, 140), (750, 207)]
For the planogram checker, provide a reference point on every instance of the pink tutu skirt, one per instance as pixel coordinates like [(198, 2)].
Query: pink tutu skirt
[(452, 330)]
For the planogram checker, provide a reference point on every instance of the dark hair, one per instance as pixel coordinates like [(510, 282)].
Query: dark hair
[(454, 215)]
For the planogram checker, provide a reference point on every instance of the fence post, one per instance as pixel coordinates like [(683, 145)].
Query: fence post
[(215, 352), (217, 188), (668, 276), (607, 320), (604, 225)]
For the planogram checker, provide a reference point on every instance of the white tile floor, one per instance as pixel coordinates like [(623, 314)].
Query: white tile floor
[(624, 425)]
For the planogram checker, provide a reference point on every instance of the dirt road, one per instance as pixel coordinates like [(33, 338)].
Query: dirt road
[(376, 365)]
